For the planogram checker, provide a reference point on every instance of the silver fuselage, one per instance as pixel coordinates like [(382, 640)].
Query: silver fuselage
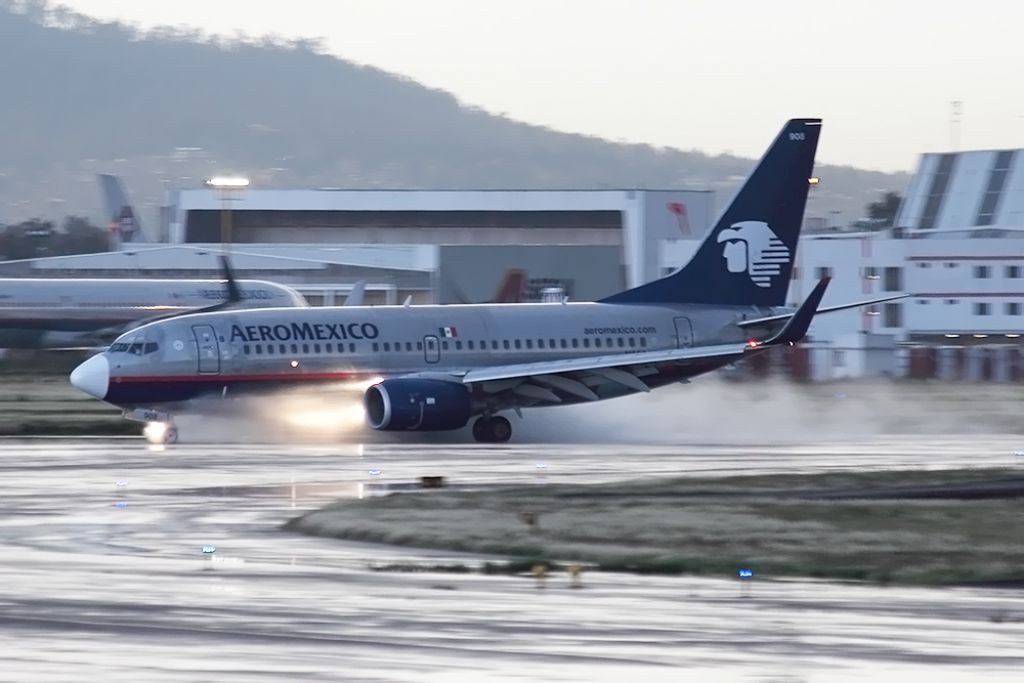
[(231, 353), (69, 313)]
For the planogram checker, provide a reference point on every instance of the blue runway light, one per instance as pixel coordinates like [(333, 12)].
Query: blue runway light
[(746, 573), (375, 473), (541, 466), (120, 504), (209, 549)]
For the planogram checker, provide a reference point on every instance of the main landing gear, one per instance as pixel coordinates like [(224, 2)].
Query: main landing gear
[(494, 429)]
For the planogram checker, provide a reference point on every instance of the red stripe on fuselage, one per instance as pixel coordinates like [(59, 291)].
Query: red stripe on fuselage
[(220, 379)]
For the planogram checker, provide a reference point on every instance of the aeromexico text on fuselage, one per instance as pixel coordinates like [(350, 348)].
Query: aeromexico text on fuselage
[(304, 332), (347, 331)]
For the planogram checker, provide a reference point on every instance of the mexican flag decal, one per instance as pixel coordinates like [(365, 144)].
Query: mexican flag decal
[(449, 332)]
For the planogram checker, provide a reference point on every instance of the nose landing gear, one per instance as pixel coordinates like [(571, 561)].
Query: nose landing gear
[(493, 429), (160, 432)]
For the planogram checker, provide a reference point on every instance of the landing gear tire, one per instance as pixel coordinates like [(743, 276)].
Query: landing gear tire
[(171, 436), (160, 433), (492, 430)]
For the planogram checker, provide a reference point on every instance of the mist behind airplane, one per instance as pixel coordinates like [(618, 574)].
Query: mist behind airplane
[(86, 313)]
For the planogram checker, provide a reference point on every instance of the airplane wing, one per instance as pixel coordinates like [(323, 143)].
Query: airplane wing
[(578, 376), (828, 309)]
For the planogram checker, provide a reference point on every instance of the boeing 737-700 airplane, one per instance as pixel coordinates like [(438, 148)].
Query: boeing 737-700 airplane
[(438, 367)]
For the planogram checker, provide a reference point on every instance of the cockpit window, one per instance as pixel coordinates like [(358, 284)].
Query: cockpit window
[(134, 347)]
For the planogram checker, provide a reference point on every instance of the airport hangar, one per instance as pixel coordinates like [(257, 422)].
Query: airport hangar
[(450, 246)]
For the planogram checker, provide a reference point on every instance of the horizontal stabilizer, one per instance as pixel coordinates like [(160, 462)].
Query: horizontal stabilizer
[(828, 309)]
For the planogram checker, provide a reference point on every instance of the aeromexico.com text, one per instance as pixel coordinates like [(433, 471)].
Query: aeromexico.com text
[(304, 332), (620, 330)]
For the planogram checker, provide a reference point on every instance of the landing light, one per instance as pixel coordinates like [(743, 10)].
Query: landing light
[(813, 181), (753, 343), (228, 183), (294, 364), (1012, 336), (980, 336), (952, 336)]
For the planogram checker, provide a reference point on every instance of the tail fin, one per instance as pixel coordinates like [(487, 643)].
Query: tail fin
[(747, 258), (510, 289), (119, 210)]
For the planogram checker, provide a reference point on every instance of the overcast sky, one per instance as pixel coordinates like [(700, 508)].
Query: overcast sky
[(695, 74)]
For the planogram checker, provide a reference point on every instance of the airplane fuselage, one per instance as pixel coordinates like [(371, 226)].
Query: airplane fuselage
[(229, 354), (66, 313)]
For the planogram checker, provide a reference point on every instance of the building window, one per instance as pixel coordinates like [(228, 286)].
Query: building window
[(1012, 308), (871, 273), (892, 315), (1012, 272), (982, 308), (923, 264), (894, 279), (950, 264), (982, 272), (951, 302), (923, 302), (822, 271), (838, 358)]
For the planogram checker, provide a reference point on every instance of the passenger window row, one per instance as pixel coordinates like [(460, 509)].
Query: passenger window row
[(615, 343), (520, 344), (295, 349)]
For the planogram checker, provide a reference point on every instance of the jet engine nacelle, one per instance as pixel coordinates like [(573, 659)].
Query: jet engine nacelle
[(426, 405)]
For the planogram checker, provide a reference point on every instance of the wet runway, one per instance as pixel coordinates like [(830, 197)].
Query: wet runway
[(103, 576)]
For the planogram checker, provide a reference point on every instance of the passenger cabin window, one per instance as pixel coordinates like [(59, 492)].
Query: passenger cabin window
[(419, 346), (504, 343), (375, 347), (352, 347), (387, 347), (586, 343), (469, 345), (408, 346), (597, 342), (305, 349), (575, 343), (458, 346), (529, 343), (444, 345), (518, 344)]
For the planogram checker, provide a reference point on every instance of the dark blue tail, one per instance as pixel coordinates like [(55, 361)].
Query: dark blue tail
[(747, 258)]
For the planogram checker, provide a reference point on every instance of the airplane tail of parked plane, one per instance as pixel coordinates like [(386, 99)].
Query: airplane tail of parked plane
[(747, 257), (120, 214)]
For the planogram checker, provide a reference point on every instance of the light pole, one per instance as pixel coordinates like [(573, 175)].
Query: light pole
[(226, 187)]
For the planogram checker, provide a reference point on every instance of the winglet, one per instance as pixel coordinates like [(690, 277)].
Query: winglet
[(234, 293), (796, 328)]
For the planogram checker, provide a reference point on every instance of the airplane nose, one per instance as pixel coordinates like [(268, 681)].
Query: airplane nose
[(92, 376)]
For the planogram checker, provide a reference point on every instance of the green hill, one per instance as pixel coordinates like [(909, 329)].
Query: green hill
[(165, 108)]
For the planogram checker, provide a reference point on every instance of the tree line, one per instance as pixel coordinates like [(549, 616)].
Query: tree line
[(37, 238)]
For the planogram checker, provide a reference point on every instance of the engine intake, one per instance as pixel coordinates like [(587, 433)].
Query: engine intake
[(426, 405)]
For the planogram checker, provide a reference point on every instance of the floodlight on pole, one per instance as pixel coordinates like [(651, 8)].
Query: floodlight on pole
[(228, 183), (226, 186)]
